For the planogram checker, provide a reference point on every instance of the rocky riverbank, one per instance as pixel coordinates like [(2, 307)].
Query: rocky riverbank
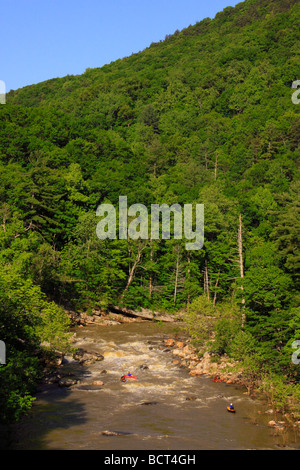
[(222, 369), (98, 317), (67, 371), (187, 356), (117, 315)]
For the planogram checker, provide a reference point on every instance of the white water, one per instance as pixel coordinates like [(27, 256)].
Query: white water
[(152, 412)]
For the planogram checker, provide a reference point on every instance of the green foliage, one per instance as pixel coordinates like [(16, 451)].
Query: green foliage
[(18, 380), (227, 331), (242, 346), (281, 395), (214, 325), (27, 320), (200, 319)]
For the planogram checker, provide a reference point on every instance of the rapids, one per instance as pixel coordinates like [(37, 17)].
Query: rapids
[(164, 408)]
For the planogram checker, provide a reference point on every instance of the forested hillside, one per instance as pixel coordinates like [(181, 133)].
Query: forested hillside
[(204, 116)]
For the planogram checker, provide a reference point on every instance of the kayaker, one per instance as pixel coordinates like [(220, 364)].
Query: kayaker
[(231, 406)]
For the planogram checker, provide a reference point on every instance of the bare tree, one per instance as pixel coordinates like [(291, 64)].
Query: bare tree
[(176, 274), (151, 272), (240, 246), (206, 280), (140, 248), (216, 285)]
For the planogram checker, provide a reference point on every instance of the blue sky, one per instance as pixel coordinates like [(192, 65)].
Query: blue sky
[(43, 39)]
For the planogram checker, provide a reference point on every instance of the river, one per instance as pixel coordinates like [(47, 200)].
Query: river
[(164, 408)]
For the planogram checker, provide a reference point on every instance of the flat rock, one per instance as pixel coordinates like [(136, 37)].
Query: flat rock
[(114, 433), (67, 382)]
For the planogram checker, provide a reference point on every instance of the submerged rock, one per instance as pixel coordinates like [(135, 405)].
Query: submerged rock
[(149, 403)]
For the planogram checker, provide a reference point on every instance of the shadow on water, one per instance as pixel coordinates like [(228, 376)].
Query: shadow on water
[(55, 409)]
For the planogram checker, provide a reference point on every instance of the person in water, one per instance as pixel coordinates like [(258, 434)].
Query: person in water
[(123, 378)]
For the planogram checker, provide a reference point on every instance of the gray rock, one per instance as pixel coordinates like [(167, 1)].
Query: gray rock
[(67, 382)]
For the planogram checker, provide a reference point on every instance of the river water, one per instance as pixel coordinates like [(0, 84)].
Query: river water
[(164, 408)]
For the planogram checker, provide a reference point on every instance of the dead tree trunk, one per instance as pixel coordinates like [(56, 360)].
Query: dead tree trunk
[(216, 166), (176, 276), (240, 245), (189, 274), (206, 281), (216, 285), (151, 272)]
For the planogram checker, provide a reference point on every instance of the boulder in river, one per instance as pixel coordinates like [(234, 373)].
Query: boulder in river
[(85, 357), (98, 382), (68, 360), (169, 342)]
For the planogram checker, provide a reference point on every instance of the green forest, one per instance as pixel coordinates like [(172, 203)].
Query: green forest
[(205, 116)]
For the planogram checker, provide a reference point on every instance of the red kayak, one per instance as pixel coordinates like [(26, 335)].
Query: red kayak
[(130, 376)]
